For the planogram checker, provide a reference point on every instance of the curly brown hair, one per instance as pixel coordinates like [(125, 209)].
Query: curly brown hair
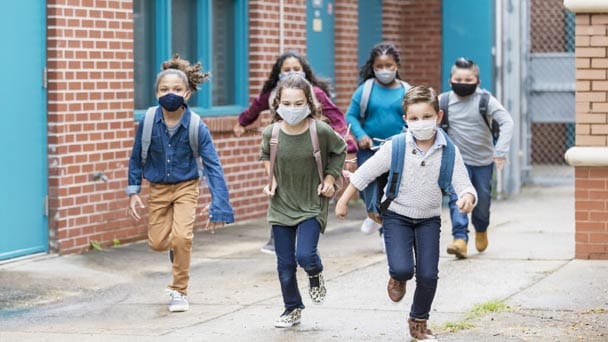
[(297, 82), (193, 75)]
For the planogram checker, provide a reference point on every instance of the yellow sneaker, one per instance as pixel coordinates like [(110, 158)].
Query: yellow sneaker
[(458, 247), (481, 241)]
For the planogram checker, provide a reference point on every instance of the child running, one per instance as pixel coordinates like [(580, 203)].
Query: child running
[(299, 191), (412, 221), (169, 164)]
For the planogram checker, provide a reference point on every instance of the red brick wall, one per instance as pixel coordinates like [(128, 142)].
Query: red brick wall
[(90, 105), (90, 120), (415, 28), (346, 55), (591, 183)]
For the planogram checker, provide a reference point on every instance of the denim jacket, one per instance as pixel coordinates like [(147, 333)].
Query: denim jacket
[(170, 161)]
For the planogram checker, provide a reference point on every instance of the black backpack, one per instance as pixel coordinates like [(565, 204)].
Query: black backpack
[(483, 111)]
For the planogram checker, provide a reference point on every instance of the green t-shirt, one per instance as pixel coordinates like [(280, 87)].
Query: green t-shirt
[(296, 199)]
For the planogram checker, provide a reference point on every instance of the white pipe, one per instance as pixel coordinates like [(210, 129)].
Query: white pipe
[(586, 6), (587, 156), (281, 25)]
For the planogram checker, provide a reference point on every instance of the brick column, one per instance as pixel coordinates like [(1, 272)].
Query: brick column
[(590, 155)]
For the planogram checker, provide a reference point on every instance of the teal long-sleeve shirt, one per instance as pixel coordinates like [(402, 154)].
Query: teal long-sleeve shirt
[(384, 117)]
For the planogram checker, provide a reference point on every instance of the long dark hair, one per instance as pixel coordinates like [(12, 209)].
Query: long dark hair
[(367, 70), (273, 79)]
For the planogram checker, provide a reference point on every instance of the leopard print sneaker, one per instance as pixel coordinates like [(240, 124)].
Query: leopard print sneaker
[(289, 318), (317, 290)]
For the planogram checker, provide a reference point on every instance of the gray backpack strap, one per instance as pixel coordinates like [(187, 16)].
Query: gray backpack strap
[(146, 134), (195, 122), (405, 85), (365, 94)]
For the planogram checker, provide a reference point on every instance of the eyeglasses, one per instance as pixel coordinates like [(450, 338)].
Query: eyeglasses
[(464, 63)]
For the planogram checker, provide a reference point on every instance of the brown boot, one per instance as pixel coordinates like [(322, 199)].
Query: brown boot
[(458, 247), (395, 289), (419, 330), (481, 241)]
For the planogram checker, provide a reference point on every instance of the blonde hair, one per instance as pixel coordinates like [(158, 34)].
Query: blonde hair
[(420, 94)]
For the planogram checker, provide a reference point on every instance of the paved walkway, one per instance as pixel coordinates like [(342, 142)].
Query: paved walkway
[(527, 274)]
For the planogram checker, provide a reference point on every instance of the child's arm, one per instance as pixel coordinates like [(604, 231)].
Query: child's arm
[(220, 210), (249, 115), (342, 204), (467, 196)]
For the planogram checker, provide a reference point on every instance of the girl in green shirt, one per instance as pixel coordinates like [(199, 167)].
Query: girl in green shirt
[(299, 199)]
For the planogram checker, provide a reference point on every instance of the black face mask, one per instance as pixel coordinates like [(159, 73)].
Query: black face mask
[(464, 89), (171, 102)]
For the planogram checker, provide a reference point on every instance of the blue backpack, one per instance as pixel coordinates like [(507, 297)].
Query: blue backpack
[(392, 179)]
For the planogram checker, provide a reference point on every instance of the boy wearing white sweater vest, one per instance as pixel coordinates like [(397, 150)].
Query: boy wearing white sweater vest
[(412, 220)]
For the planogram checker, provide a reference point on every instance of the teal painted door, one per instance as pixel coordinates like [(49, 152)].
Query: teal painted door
[(23, 175), (370, 27), (320, 37), (468, 31)]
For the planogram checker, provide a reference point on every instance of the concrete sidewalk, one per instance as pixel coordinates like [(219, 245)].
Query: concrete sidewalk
[(527, 274)]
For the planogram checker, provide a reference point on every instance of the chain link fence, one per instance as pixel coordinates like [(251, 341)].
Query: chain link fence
[(550, 89)]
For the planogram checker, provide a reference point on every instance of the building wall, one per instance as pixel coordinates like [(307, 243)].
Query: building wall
[(90, 105), (90, 120), (591, 185), (415, 28)]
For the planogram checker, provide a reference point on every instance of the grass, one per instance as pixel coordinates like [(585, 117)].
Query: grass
[(476, 312)]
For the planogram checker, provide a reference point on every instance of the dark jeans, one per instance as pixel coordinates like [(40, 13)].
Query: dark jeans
[(406, 239), (369, 195), (296, 244), (481, 178)]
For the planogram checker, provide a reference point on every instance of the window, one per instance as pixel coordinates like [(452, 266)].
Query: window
[(213, 32)]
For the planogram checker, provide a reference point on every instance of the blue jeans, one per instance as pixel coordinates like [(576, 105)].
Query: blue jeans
[(406, 239), (369, 195), (481, 178), (296, 244)]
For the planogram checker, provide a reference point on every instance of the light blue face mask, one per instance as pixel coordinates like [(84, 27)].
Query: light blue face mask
[(385, 76), (285, 74), (293, 115)]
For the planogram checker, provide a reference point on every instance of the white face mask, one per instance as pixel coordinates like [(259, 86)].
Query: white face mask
[(293, 115), (285, 74), (385, 76), (422, 129)]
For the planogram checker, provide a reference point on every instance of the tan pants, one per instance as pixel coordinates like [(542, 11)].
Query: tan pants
[(172, 211)]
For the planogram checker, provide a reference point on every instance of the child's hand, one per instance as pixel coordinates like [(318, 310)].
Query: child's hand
[(465, 203), (341, 209), (212, 225), (326, 189), (375, 217), (270, 192), (134, 203), (238, 130), (366, 142), (500, 163)]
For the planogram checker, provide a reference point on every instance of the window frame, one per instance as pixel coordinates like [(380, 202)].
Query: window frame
[(204, 27)]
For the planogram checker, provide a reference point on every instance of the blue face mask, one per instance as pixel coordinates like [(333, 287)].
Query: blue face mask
[(285, 74), (171, 102)]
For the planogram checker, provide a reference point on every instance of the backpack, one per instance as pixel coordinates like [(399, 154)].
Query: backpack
[(366, 93), (483, 111), (146, 135), (316, 151), (392, 179)]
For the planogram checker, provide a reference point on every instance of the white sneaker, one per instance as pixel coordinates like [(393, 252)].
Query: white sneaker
[(178, 302), (369, 226)]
